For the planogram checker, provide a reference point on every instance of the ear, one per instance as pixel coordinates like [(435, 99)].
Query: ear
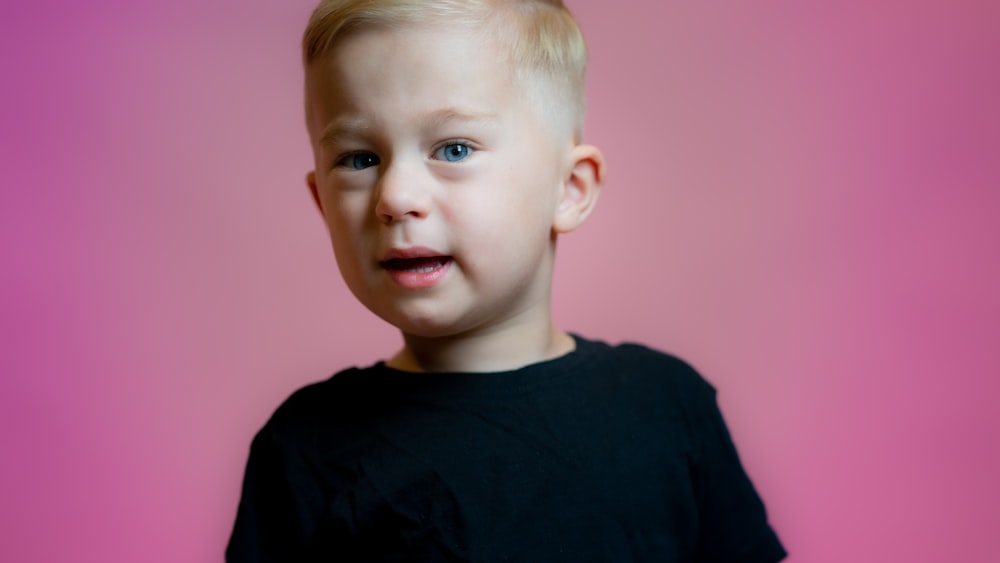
[(581, 188), (311, 182)]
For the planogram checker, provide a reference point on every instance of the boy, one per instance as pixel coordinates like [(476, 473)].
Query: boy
[(446, 136)]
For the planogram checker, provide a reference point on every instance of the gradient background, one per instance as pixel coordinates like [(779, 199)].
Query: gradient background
[(803, 201)]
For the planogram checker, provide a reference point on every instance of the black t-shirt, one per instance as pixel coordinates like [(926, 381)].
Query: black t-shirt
[(611, 454)]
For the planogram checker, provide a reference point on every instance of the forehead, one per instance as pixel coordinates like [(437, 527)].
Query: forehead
[(380, 72)]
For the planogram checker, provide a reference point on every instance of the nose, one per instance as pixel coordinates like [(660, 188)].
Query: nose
[(402, 193)]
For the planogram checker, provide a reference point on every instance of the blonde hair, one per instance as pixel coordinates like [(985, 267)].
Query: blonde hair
[(546, 45)]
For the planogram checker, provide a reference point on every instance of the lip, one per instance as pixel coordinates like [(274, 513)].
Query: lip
[(410, 252), (416, 267)]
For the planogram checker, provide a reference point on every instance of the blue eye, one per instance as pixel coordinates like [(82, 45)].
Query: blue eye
[(453, 152), (359, 160)]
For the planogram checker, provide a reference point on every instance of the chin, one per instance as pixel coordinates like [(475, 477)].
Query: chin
[(422, 326)]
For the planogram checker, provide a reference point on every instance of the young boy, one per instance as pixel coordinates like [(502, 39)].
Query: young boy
[(446, 136)]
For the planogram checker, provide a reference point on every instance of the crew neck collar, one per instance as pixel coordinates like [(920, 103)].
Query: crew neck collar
[(582, 349)]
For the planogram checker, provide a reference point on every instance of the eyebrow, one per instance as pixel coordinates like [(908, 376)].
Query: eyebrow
[(447, 115), (344, 127), (348, 126)]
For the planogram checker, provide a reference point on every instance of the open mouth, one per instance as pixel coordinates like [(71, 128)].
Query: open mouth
[(421, 265)]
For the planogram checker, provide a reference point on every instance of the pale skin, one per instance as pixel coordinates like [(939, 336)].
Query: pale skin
[(444, 190)]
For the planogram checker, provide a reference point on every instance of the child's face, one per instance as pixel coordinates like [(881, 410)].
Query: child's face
[(438, 181)]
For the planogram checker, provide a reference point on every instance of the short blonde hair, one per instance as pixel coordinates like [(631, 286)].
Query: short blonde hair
[(547, 49)]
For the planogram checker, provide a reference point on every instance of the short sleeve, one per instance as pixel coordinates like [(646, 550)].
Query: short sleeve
[(732, 521), (279, 505)]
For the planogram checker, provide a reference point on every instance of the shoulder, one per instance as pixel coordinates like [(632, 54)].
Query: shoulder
[(641, 363), (656, 384), (324, 407), (317, 397)]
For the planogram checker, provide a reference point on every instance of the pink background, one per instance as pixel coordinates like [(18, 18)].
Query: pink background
[(803, 200)]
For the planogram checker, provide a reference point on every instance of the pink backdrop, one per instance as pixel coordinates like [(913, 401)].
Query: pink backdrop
[(803, 200)]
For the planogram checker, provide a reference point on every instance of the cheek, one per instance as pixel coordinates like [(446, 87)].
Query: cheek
[(346, 225), (349, 212), (508, 223), (532, 206)]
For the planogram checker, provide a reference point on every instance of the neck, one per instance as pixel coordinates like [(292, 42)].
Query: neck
[(499, 349)]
